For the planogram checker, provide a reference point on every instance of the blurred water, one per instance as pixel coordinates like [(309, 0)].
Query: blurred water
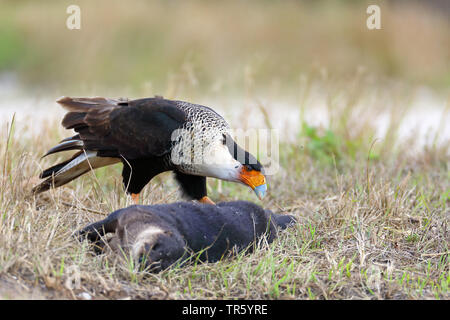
[(30, 111), (426, 119)]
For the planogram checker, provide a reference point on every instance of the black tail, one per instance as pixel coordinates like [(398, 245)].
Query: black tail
[(71, 169), (66, 145), (50, 171)]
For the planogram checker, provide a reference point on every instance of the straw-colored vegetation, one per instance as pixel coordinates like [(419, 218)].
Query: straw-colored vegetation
[(146, 47), (373, 223), (372, 209)]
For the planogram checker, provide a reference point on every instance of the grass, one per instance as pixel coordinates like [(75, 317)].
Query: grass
[(372, 207), (372, 222)]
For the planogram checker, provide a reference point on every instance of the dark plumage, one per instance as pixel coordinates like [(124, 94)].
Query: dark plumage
[(163, 234), (144, 135)]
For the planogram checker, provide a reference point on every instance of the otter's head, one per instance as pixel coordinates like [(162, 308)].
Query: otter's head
[(156, 248)]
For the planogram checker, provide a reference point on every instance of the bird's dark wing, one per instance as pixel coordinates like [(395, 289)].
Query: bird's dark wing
[(132, 129)]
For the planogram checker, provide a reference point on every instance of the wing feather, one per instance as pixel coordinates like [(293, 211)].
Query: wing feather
[(132, 129)]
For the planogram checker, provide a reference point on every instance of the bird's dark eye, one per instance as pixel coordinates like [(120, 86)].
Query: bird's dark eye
[(224, 139)]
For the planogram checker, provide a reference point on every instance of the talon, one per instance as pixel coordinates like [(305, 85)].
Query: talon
[(135, 197), (206, 200)]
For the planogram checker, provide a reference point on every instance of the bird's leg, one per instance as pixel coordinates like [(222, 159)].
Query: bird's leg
[(135, 197), (206, 200)]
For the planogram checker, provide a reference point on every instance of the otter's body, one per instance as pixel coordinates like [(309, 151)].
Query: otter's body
[(162, 234)]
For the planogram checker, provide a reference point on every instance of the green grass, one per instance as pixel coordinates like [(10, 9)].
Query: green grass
[(372, 210), (354, 240)]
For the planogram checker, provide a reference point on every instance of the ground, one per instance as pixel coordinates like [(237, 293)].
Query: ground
[(372, 223), (362, 119)]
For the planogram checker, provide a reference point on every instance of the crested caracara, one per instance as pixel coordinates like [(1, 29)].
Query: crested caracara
[(150, 136)]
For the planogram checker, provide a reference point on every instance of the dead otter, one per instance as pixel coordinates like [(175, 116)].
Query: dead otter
[(159, 235)]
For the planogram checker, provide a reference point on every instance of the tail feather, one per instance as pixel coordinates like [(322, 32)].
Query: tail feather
[(69, 170), (75, 137), (65, 146), (86, 104), (73, 119), (54, 169), (81, 112), (84, 111)]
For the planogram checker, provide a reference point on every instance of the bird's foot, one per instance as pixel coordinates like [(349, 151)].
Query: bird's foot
[(135, 197), (206, 200)]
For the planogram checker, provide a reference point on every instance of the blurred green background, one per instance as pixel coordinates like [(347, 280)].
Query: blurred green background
[(177, 48)]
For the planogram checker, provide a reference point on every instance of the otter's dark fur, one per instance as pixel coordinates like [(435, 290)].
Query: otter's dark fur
[(160, 235)]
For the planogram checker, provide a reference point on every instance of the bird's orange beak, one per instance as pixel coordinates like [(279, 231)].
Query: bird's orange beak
[(255, 180)]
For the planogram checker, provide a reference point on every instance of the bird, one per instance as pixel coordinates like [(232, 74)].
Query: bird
[(150, 136)]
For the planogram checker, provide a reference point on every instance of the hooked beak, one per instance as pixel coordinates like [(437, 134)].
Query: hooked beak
[(255, 180)]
